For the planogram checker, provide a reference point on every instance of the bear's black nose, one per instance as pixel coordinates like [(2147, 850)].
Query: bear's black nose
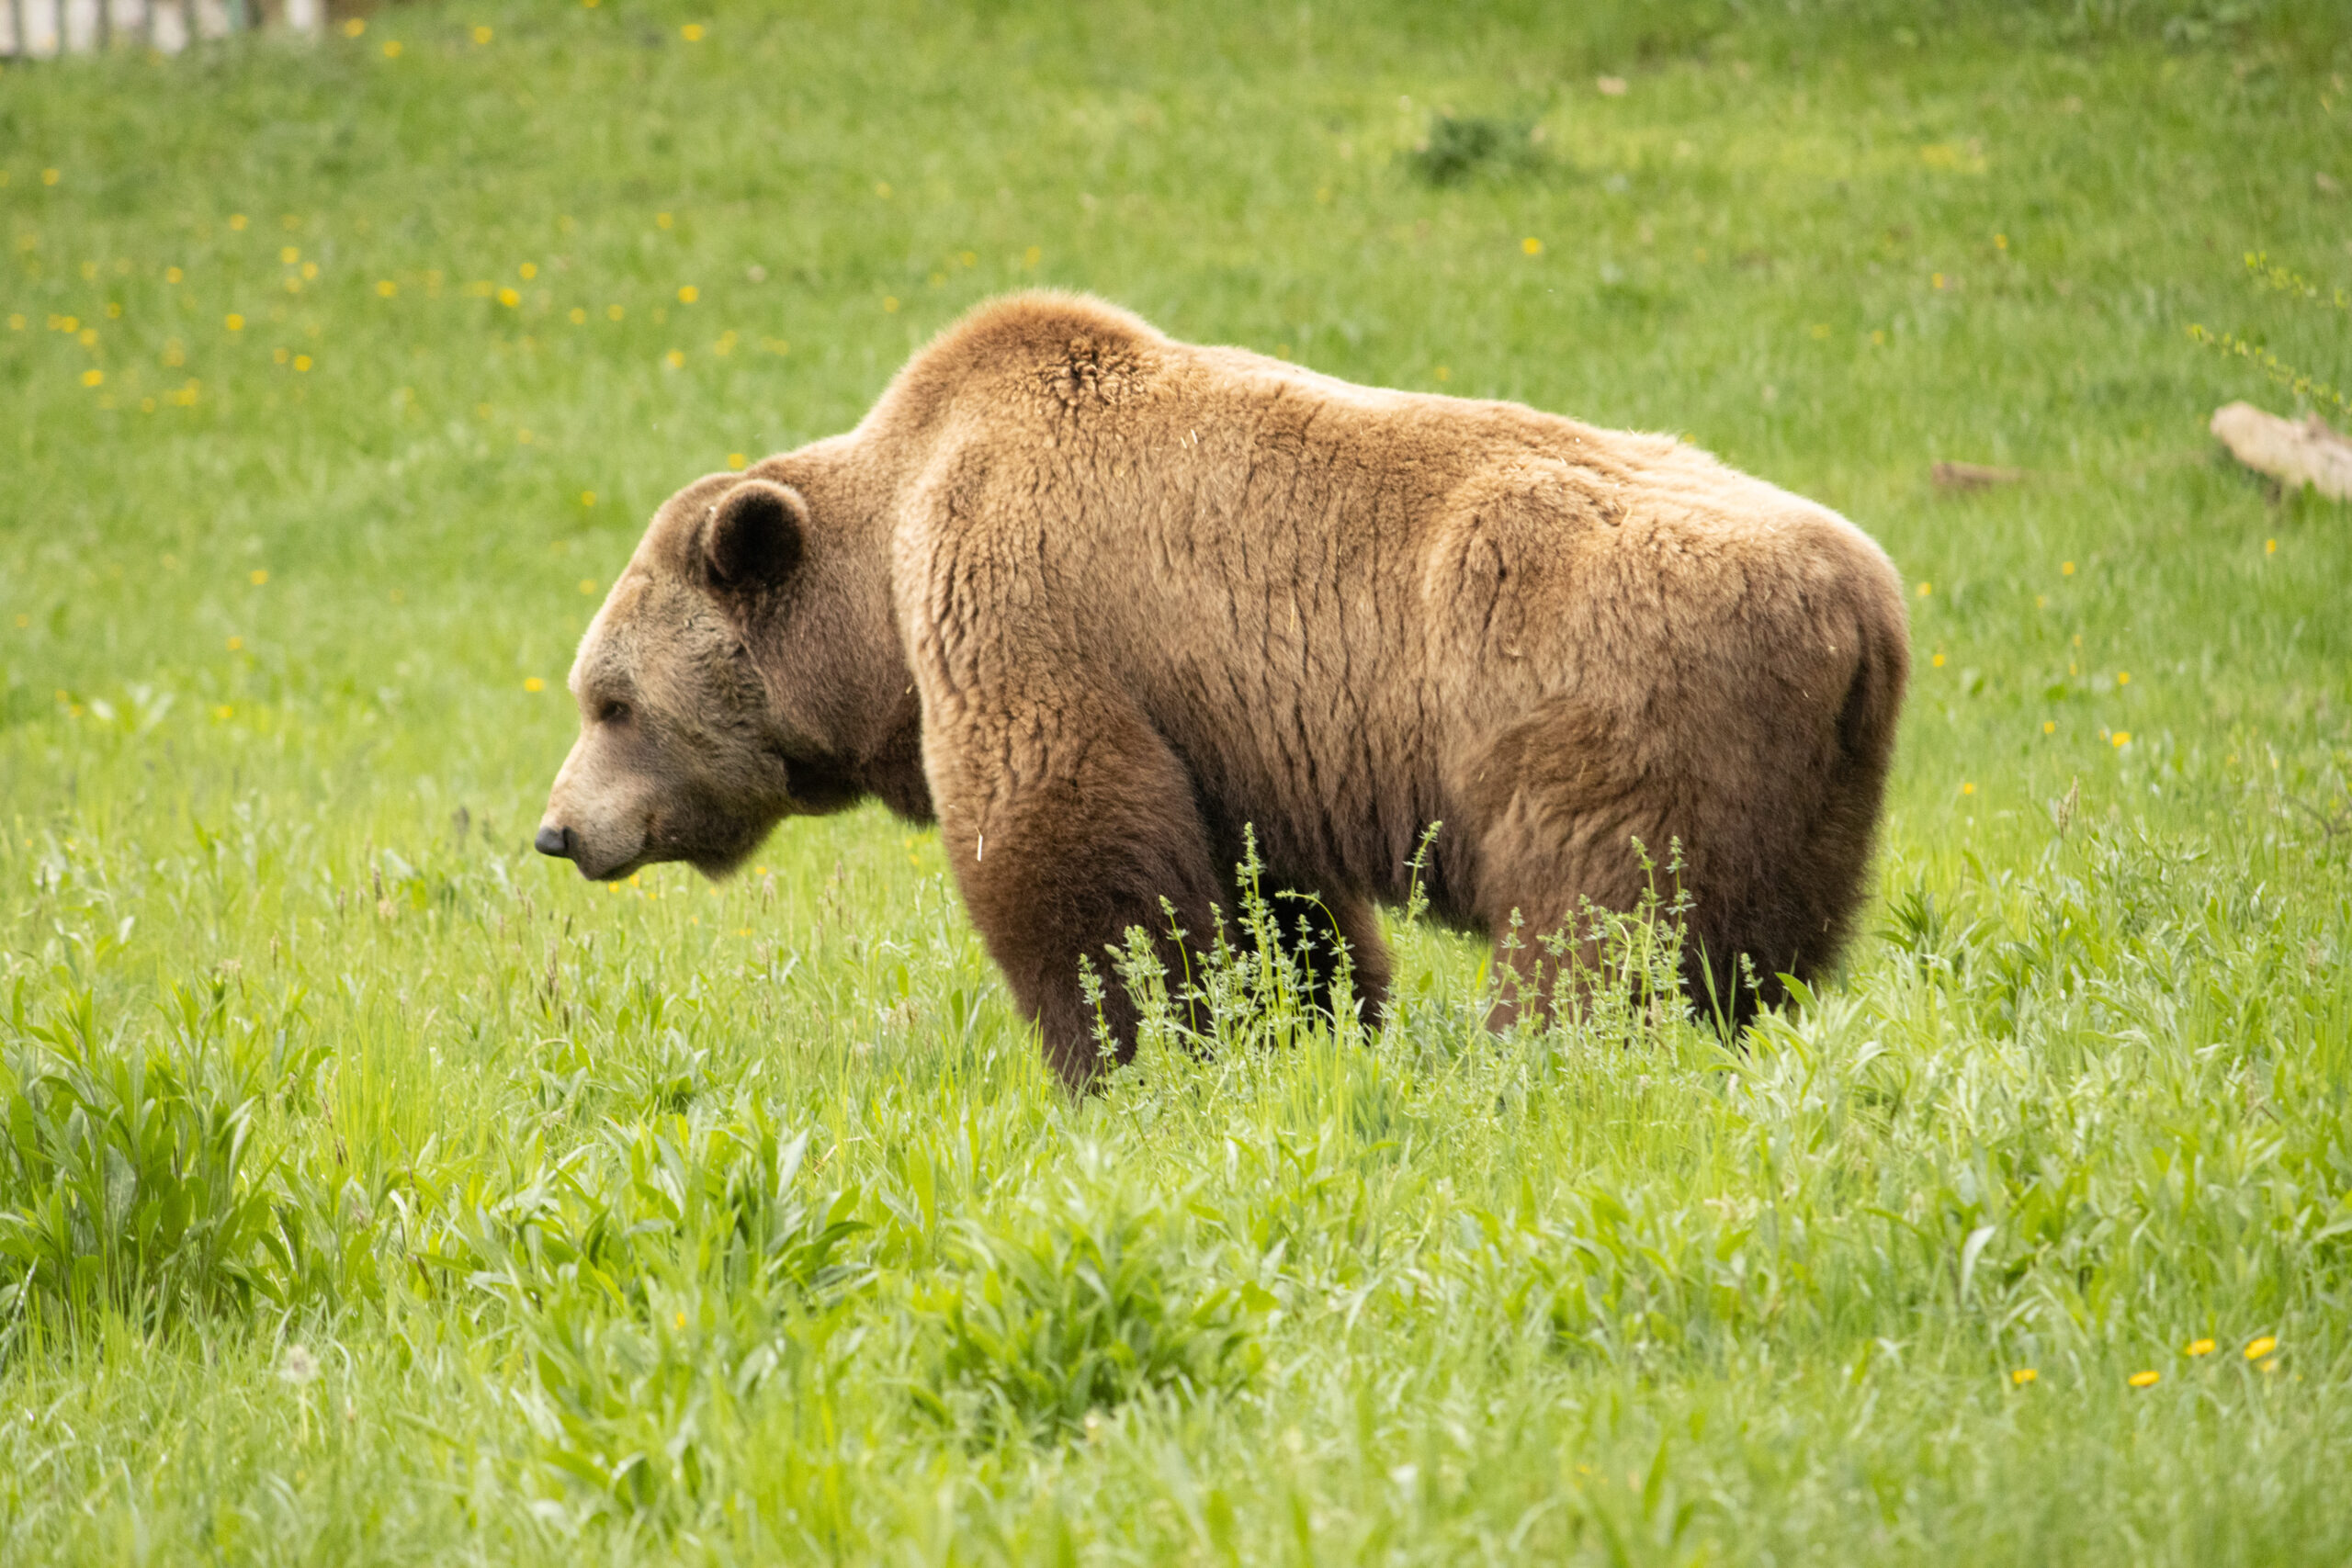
[(556, 842)]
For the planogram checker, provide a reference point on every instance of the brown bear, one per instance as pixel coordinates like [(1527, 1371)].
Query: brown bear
[(1101, 601)]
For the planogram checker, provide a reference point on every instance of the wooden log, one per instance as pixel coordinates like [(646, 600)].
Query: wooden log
[(2294, 452), (1974, 476)]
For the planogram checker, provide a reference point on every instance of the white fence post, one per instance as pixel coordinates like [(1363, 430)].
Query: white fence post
[(43, 29)]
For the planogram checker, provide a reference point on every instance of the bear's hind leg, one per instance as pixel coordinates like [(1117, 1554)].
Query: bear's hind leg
[(1061, 864)]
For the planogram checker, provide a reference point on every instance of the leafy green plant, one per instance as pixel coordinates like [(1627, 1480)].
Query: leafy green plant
[(1079, 1308), (1458, 148), (130, 1176)]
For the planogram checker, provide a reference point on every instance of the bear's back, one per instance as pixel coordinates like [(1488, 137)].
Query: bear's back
[(1317, 591)]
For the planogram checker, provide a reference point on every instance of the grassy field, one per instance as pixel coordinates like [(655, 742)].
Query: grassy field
[(371, 1191)]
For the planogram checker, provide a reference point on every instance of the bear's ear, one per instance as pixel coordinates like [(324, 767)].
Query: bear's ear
[(754, 536)]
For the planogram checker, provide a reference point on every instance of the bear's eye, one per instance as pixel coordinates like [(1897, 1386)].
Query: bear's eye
[(612, 713)]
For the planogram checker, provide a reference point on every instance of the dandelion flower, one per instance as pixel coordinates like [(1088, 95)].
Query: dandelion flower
[(2048, 727), (1925, 588), (2261, 1348), (258, 576), (529, 271), (2197, 1347), (587, 585), (2123, 677), (2145, 1380), (579, 316), (675, 358), (94, 378), (301, 362), (1532, 245), (482, 35), (735, 459), (689, 294), (224, 711), (173, 274), (353, 27), (1968, 789), (662, 220), (508, 298), (2122, 737), (2269, 546), (386, 289), (2065, 569), (1938, 661), (587, 498), (2023, 1375), (615, 312), (691, 32), (233, 322), (236, 221), (51, 176), (392, 49), (289, 255), (533, 683), (890, 303)]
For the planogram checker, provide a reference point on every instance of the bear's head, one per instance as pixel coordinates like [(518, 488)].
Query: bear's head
[(743, 669)]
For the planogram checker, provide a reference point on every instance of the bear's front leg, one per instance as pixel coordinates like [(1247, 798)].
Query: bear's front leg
[(1067, 830)]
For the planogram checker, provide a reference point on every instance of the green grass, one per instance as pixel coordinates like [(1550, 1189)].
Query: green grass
[(372, 1190)]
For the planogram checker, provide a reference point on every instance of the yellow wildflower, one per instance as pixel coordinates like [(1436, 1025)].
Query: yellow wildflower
[(2197, 1347), (2261, 1348), (2023, 1375), (2145, 1380), (533, 683)]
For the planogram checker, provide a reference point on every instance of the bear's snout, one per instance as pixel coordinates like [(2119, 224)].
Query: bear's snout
[(560, 842)]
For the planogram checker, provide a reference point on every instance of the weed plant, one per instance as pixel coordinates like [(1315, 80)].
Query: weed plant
[(372, 1190)]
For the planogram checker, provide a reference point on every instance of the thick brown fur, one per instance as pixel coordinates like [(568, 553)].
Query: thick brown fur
[(1102, 600)]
